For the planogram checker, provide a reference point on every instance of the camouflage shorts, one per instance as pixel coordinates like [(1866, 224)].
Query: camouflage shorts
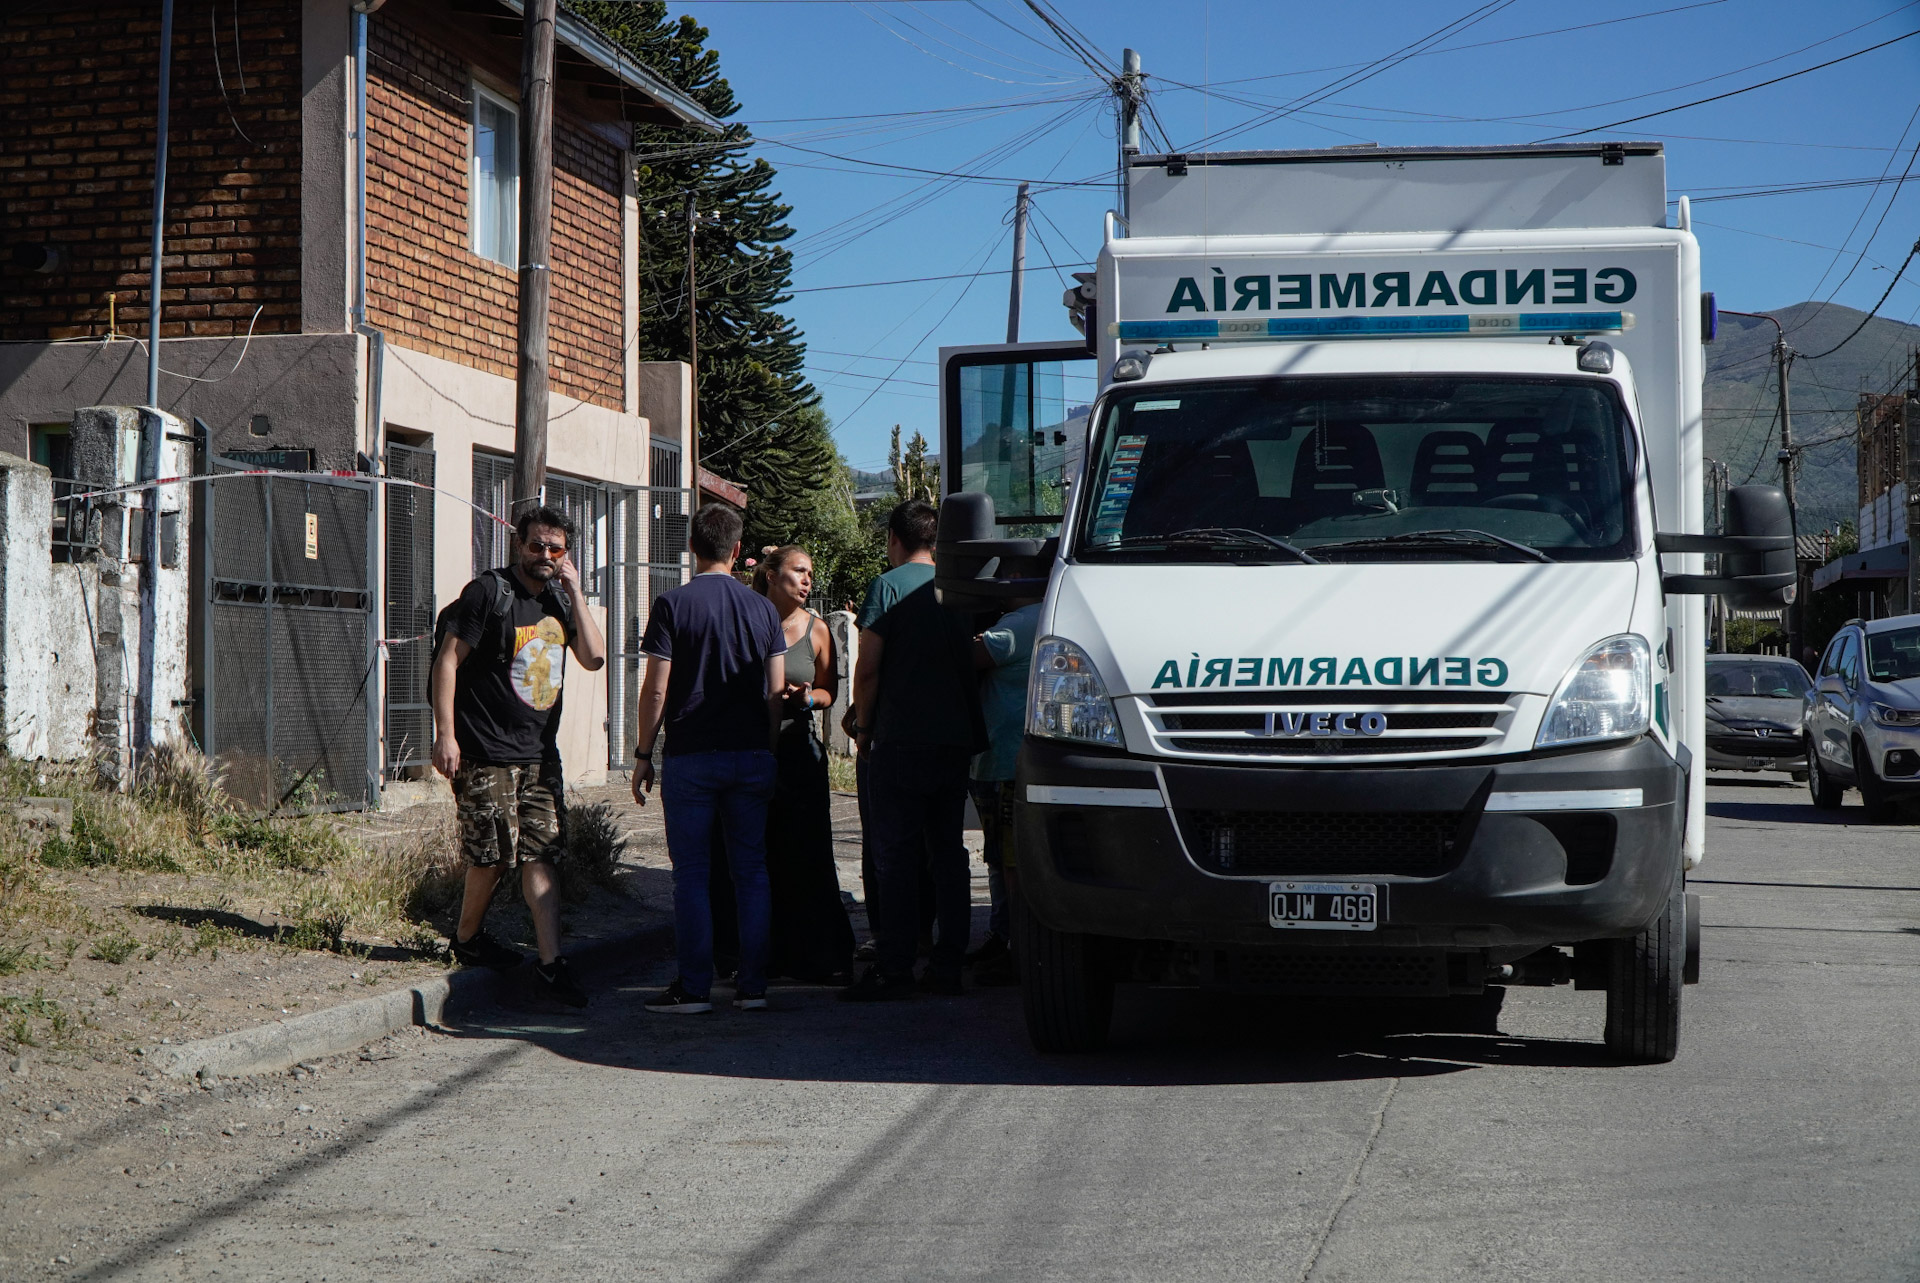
[(508, 815)]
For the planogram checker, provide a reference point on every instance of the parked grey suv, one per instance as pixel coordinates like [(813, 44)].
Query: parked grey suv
[(1756, 709), (1863, 716)]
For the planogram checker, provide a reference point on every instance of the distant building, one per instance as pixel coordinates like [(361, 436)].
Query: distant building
[(1877, 573)]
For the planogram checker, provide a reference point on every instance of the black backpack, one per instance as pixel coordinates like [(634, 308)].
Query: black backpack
[(500, 612)]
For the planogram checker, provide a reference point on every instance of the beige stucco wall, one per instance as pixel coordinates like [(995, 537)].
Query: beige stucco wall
[(464, 409)]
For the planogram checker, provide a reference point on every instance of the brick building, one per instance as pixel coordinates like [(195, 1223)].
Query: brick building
[(310, 317)]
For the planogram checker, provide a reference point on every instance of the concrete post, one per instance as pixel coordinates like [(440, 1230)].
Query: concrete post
[(846, 652), (106, 453), (26, 534)]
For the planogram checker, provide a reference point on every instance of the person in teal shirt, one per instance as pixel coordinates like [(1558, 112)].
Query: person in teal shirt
[(1003, 654)]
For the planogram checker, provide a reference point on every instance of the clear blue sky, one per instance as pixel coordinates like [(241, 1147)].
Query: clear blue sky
[(981, 87)]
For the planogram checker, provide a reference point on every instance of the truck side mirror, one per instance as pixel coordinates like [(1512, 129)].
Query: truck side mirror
[(975, 573), (1758, 571)]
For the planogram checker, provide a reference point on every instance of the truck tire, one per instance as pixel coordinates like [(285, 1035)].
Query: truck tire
[(1067, 993), (1873, 794), (1827, 795), (1644, 975)]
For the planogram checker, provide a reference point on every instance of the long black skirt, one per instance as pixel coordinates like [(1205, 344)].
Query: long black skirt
[(812, 937)]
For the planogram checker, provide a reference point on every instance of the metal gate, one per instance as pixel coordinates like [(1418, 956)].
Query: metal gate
[(410, 607), (288, 643), (646, 556)]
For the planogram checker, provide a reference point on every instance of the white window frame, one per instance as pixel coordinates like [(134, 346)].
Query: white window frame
[(482, 94)]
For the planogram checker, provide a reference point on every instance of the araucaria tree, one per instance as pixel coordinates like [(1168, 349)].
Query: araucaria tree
[(760, 424)]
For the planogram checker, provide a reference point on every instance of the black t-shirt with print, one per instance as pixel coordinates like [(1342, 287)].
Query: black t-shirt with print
[(506, 708)]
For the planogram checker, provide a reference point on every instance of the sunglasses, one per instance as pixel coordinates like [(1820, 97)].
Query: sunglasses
[(546, 549)]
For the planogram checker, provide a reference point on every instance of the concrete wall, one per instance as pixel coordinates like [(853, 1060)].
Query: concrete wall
[(26, 520), (304, 385), (1884, 520)]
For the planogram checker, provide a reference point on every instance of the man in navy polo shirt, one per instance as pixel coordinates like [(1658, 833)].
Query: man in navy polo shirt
[(716, 673)]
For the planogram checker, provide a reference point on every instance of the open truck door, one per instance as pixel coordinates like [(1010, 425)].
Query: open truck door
[(1013, 426)]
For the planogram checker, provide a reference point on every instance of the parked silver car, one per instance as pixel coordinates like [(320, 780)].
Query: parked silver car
[(1863, 716), (1756, 710)]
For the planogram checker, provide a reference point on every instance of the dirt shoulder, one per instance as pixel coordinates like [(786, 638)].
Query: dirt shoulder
[(98, 964)]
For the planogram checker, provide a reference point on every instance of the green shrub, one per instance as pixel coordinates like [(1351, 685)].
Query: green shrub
[(115, 948), (592, 850)]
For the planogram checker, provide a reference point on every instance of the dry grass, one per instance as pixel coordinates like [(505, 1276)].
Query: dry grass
[(177, 820)]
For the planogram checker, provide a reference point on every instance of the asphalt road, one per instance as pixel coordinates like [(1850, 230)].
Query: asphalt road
[(1218, 1139)]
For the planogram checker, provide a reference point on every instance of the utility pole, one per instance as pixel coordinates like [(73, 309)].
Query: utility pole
[(1910, 448), (151, 447), (1796, 610), (1019, 263), (536, 243), (1128, 92)]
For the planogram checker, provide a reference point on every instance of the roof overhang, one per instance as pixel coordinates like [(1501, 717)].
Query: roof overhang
[(1889, 561), (646, 98)]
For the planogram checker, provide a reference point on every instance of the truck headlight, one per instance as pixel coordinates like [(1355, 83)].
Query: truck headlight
[(1066, 698), (1888, 715), (1607, 695)]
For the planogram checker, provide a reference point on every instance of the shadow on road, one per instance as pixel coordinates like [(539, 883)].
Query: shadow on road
[(1784, 813), (1160, 1038)]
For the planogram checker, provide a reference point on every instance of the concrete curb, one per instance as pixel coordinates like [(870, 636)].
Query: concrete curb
[(272, 1048)]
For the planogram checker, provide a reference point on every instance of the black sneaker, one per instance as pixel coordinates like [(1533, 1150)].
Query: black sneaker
[(482, 950), (676, 1001), (874, 987), (751, 1001), (557, 982), (994, 946), (944, 983), (867, 952)]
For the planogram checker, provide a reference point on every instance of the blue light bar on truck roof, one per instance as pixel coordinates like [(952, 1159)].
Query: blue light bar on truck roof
[(1477, 325)]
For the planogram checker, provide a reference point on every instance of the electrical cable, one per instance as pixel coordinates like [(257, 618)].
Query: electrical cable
[(1879, 223), (1734, 93), (1876, 307)]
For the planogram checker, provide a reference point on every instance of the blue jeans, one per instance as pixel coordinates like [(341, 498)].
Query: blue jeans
[(734, 788), (916, 812)]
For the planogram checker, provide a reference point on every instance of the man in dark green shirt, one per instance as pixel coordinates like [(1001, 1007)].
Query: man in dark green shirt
[(918, 720)]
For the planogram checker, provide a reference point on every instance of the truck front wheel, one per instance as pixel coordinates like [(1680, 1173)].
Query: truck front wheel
[(1066, 989), (1644, 975)]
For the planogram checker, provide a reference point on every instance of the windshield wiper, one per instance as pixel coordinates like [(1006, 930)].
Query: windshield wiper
[(1439, 538), (1216, 538)]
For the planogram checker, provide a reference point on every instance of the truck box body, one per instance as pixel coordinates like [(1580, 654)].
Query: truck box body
[(1358, 584)]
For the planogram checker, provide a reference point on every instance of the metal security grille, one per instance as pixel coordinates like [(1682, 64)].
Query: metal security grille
[(646, 551), (288, 642), (586, 503), (410, 607), (492, 480)]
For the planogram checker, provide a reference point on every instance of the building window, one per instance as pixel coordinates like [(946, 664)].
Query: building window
[(495, 181)]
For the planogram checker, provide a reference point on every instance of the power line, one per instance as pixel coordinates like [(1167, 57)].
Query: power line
[(1876, 307), (921, 280), (1734, 93)]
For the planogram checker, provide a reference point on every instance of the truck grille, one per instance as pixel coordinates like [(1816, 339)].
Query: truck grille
[(1307, 844), (1245, 724), (1338, 971)]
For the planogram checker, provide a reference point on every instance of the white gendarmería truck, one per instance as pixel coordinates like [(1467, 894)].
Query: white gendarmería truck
[(1361, 669)]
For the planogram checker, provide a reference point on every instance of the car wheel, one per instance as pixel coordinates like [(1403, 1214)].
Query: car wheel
[(1644, 975), (1873, 793), (1827, 795), (1064, 986)]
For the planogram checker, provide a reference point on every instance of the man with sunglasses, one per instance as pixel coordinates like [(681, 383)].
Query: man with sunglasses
[(497, 678)]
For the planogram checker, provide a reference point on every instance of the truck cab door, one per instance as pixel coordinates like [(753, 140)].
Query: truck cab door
[(1013, 425)]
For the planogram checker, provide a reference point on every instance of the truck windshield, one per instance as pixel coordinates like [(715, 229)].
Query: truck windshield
[(1393, 468)]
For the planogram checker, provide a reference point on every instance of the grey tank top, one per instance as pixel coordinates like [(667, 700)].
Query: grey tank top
[(802, 666)]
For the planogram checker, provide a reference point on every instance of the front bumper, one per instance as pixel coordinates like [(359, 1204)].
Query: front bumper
[(1732, 750), (1503, 882)]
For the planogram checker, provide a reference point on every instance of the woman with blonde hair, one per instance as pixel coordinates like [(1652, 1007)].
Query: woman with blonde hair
[(812, 937)]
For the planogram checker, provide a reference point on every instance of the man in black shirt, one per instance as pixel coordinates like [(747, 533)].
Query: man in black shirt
[(496, 709), (919, 726), (716, 677)]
